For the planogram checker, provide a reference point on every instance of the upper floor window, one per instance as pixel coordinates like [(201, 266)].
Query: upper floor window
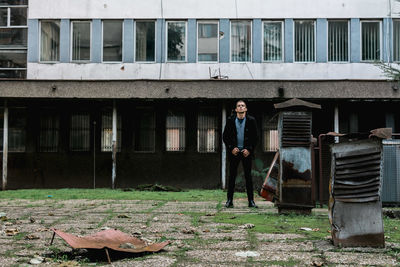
[(176, 40), (273, 40), (396, 40), (112, 40), (175, 128), (13, 16), (241, 41), (370, 40), (81, 40), (304, 41), (50, 40), (207, 41), (338, 41), (145, 41)]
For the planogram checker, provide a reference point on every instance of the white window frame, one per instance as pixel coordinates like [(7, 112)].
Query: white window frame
[(9, 16), (398, 20), (251, 40), (348, 41), (283, 41), (166, 42), (71, 41), (135, 36), (40, 41), (102, 41), (315, 41), (197, 40), (380, 40)]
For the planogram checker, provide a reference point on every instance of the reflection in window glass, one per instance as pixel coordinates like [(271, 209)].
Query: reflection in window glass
[(175, 132), (241, 41), (176, 40), (304, 41), (13, 37), (145, 41), (112, 40), (207, 41), (370, 38), (3, 16), (12, 58), (80, 40), (18, 16), (13, 2), (50, 40), (19, 74), (273, 41)]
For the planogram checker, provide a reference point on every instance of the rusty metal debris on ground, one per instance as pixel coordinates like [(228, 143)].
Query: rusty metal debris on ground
[(110, 239)]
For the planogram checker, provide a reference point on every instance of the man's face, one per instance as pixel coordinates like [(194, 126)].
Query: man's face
[(240, 107)]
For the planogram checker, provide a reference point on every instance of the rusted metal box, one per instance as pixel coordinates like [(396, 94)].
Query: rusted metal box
[(355, 208)]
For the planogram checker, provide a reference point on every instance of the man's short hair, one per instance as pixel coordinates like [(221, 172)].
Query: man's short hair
[(240, 100)]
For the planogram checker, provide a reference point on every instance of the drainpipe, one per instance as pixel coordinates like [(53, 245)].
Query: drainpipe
[(5, 145), (336, 123), (223, 152), (114, 144)]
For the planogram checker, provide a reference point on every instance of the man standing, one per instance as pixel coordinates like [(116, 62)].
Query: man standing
[(240, 137)]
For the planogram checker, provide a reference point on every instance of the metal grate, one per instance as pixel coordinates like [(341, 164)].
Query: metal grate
[(296, 130), (391, 173)]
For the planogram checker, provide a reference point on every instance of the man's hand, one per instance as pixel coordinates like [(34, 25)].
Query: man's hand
[(246, 153), (235, 151)]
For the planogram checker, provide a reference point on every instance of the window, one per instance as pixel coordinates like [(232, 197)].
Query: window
[(13, 38), (112, 40), (79, 134), (370, 40), (207, 41), (304, 41), (273, 40), (144, 130), (176, 40), (106, 132), (50, 40), (49, 133), (338, 41), (207, 131), (396, 40), (270, 133), (16, 129), (175, 131), (241, 41), (145, 41), (80, 40)]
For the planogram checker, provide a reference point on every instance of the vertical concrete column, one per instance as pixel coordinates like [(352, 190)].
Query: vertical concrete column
[(33, 40), (224, 40), (336, 122), (128, 41), (223, 150), (322, 40), (114, 144), (97, 40), (192, 41), (5, 145), (355, 42), (257, 41), (288, 39), (65, 41)]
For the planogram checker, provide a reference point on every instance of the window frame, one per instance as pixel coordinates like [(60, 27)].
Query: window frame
[(251, 41), (9, 16), (71, 41), (218, 134), (135, 36), (141, 109), (166, 42), (197, 40), (380, 40), (40, 41), (90, 129), (348, 40), (315, 41), (102, 41), (264, 127), (282, 37), (181, 112)]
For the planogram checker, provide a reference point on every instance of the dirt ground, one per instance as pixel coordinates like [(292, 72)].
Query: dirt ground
[(25, 235)]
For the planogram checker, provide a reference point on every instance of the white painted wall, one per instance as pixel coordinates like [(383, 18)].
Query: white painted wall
[(169, 9), (246, 71)]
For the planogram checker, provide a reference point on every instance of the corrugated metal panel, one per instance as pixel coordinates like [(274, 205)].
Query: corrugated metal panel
[(391, 173)]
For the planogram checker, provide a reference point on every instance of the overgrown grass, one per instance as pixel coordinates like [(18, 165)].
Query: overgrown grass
[(116, 194)]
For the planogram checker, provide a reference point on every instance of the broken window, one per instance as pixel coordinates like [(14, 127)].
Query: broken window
[(370, 40), (273, 40), (81, 40), (270, 133), (241, 41), (79, 133), (106, 131), (175, 131), (112, 40), (50, 40), (304, 40), (16, 129), (207, 41), (338, 41), (176, 40), (207, 131), (145, 41), (144, 130), (49, 133)]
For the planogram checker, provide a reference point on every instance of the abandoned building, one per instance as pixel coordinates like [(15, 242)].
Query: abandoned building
[(165, 75)]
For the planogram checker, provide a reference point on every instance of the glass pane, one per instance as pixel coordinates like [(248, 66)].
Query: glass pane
[(207, 131), (18, 16), (241, 41), (13, 37), (272, 41), (144, 134), (13, 2), (176, 41), (338, 41), (304, 41), (270, 133), (50, 40), (145, 40), (3, 16), (175, 132), (18, 74), (81, 40), (106, 132), (112, 40), (396, 40), (12, 59), (370, 37), (207, 41)]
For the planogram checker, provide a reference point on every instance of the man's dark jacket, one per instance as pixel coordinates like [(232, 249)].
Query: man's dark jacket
[(250, 134)]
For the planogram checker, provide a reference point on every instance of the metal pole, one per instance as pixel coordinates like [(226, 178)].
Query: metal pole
[(94, 154), (114, 144), (5, 145), (336, 123), (223, 152)]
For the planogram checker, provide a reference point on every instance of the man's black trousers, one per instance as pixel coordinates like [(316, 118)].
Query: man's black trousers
[(233, 166)]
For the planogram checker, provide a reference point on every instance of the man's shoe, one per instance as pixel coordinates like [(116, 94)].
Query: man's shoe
[(229, 203), (252, 204)]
